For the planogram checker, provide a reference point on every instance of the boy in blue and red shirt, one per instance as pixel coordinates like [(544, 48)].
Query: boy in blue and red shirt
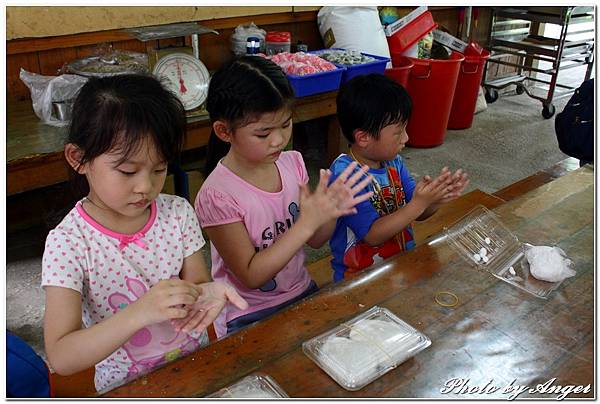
[(373, 111)]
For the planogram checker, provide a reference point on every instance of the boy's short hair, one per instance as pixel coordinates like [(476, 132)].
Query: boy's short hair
[(370, 103)]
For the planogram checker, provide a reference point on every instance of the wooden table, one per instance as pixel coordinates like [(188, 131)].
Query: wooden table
[(495, 335), (34, 151)]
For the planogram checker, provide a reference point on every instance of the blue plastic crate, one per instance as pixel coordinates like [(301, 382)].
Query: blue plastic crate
[(316, 83), (351, 71)]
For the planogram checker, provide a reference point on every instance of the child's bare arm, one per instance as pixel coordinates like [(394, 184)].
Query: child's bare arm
[(254, 268), (426, 193), (194, 269), (71, 348), (317, 210)]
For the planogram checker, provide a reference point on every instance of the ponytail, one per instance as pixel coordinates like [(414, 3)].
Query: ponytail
[(243, 89)]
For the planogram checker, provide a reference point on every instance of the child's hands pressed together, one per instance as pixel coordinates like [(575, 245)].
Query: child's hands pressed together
[(165, 301), (430, 191), (337, 199), (459, 182), (212, 298)]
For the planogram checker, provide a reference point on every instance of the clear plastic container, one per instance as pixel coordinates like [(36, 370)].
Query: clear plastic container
[(359, 351), (482, 229), (253, 386), (277, 42)]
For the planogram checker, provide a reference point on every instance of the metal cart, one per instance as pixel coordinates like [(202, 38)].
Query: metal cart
[(514, 30)]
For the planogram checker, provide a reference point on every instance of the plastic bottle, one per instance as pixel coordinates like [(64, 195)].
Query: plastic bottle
[(252, 45)]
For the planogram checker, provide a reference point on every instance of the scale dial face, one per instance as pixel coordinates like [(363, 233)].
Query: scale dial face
[(186, 76)]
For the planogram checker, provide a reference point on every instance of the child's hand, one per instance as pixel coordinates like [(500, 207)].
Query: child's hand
[(431, 191), (212, 298), (164, 301), (338, 199), (460, 181), (345, 187), (459, 184)]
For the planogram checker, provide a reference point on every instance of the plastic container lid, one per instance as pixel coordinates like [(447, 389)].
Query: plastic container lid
[(480, 230), (357, 352), (278, 36), (253, 386)]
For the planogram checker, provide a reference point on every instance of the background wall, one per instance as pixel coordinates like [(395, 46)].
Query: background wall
[(33, 22), (43, 39)]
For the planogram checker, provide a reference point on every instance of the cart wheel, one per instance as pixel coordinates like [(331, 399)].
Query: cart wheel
[(491, 95), (548, 111), (520, 89)]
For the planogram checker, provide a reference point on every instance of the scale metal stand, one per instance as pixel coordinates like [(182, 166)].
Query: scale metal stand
[(179, 68)]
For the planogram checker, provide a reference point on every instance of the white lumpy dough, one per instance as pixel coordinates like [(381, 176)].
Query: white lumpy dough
[(250, 392), (350, 359), (549, 263), (371, 345), (386, 335)]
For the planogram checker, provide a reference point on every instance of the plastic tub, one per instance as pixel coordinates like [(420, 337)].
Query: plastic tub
[(277, 42), (351, 71), (408, 36), (467, 88), (316, 83), (368, 346), (253, 386), (400, 70), (482, 229), (431, 86)]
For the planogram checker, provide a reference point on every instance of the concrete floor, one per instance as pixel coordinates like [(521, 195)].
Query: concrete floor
[(507, 142)]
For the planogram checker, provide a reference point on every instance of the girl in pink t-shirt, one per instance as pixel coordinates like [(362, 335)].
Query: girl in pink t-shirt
[(126, 285), (255, 205)]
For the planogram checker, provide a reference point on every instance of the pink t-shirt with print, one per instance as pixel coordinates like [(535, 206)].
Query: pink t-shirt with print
[(226, 198), (112, 270)]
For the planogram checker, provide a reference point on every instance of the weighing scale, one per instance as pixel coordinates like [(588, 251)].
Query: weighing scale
[(178, 67)]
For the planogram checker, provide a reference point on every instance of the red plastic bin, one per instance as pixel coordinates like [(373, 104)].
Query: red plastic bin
[(400, 70), (411, 33), (467, 89), (431, 86)]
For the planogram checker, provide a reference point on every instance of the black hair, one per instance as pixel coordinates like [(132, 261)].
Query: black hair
[(370, 103), (120, 112), (241, 91)]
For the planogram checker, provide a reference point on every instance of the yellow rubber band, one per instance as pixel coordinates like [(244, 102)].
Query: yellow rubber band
[(438, 301)]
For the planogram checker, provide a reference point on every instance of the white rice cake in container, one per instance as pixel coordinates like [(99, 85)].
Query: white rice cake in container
[(252, 386), (359, 351)]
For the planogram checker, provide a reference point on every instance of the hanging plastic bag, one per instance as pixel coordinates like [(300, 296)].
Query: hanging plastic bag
[(353, 28), (52, 96), (241, 33)]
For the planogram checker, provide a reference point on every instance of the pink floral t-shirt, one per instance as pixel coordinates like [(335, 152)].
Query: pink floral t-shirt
[(226, 198), (112, 270)]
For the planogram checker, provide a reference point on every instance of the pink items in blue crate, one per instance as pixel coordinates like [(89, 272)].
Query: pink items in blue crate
[(308, 74), (355, 63), (301, 63)]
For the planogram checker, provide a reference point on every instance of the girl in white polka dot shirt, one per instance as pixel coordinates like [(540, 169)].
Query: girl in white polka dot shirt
[(126, 285)]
